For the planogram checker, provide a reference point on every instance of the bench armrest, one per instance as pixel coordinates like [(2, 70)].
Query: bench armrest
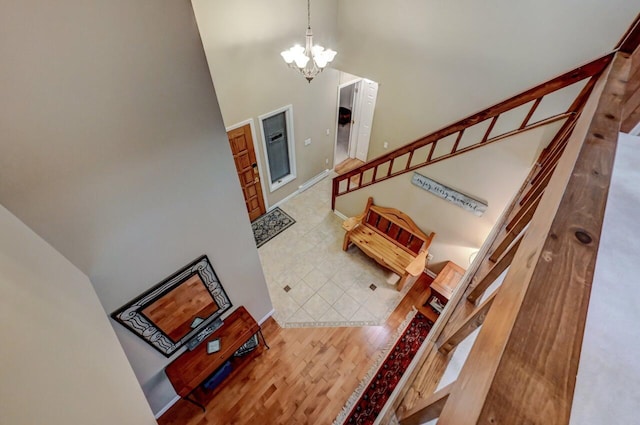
[(418, 264), (351, 223)]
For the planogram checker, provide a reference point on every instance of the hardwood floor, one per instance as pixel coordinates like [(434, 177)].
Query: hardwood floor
[(347, 165), (306, 376)]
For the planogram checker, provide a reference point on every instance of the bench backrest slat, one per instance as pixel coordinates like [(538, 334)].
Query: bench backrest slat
[(415, 244), (397, 227)]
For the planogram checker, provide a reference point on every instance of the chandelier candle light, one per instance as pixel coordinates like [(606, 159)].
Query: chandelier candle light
[(309, 60)]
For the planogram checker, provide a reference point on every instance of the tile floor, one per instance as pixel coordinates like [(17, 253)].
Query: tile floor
[(312, 282)]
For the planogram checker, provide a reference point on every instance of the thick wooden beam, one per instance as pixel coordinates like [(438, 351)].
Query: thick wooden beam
[(473, 322), (523, 365), (428, 409)]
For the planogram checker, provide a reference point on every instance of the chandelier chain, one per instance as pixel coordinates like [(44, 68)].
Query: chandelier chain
[(309, 14)]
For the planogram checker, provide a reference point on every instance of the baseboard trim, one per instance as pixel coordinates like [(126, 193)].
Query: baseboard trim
[(167, 407), (266, 316), (282, 201), (430, 273), (339, 214), (313, 180), (304, 186)]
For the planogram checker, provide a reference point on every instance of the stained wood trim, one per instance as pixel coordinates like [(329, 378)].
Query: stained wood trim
[(494, 273), (466, 328), (429, 409), (531, 111), (522, 369), (631, 39), (537, 124), (493, 123), (564, 80)]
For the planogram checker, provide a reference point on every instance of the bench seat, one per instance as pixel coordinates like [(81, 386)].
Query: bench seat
[(385, 252), (391, 238)]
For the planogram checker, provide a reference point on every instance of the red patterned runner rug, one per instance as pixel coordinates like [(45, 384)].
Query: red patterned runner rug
[(379, 385)]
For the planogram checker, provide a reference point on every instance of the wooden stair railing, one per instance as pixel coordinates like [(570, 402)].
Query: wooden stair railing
[(404, 159), (522, 369)]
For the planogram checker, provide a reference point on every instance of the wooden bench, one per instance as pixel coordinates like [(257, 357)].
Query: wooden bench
[(391, 238)]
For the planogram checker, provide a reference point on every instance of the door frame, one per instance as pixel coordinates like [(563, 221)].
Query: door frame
[(355, 82), (258, 156), (291, 144), (357, 116)]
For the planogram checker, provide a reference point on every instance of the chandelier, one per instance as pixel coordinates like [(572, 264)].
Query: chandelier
[(309, 60)]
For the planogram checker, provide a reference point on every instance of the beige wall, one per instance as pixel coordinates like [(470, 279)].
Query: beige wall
[(243, 40), (114, 151), (61, 361), (438, 62), (492, 173)]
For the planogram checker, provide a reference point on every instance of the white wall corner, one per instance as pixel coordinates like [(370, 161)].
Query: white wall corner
[(167, 407), (266, 316)]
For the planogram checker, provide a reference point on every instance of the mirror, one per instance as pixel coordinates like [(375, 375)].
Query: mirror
[(176, 309)]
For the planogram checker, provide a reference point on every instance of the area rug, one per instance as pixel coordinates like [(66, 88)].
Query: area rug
[(269, 225), (368, 400)]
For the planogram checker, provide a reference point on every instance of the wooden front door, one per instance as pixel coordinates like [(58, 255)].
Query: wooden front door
[(247, 166)]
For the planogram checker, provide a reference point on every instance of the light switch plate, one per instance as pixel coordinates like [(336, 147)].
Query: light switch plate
[(307, 142)]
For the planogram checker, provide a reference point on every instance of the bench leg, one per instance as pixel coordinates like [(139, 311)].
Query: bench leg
[(402, 281), (345, 243)]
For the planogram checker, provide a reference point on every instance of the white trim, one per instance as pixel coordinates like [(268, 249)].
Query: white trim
[(304, 186), (285, 199), (339, 214), (167, 407), (313, 180), (335, 144), (258, 157), (266, 316), (430, 273), (288, 110)]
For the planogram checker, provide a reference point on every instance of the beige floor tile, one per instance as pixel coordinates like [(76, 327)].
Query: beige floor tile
[(332, 315), (316, 279), (301, 293), (316, 306), (300, 316), (363, 315), (327, 284), (346, 305), (330, 292)]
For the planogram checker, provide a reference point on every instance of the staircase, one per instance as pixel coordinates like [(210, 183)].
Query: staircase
[(523, 364), (449, 141)]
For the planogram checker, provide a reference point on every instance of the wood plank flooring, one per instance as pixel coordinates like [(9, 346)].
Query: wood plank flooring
[(348, 165), (306, 376)]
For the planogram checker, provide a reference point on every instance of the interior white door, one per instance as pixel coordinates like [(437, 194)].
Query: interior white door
[(367, 93)]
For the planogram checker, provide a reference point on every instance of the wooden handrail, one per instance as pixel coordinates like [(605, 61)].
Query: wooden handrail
[(523, 365), (631, 39), (493, 113)]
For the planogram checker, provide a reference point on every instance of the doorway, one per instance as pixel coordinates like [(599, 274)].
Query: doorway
[(244, 156), (356, 107)]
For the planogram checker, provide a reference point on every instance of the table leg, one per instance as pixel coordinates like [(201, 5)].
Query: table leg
[(194, 401), (264, 340)]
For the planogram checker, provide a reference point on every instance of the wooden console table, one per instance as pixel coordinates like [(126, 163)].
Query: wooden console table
[(445, 283), (191, 368)]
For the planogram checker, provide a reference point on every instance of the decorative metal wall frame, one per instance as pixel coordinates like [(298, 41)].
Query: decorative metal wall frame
[(130, 315)]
